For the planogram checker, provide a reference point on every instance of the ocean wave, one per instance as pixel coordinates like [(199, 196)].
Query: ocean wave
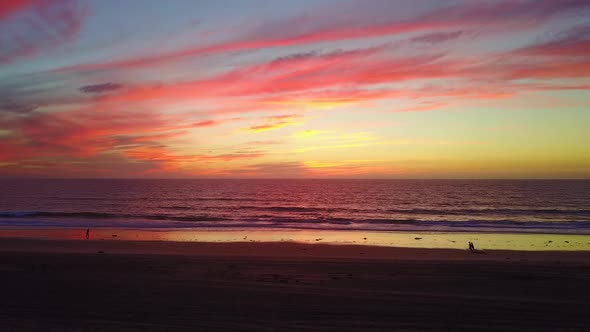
[(493, 211), (101, 219), (105, 215), (176, 207), (423, 211), (186, 213), (18, 213), (417, 226)]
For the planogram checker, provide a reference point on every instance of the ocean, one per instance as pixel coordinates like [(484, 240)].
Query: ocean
[(479, 206)]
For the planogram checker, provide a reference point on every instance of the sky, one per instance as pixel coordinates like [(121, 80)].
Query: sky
[(295, 89)]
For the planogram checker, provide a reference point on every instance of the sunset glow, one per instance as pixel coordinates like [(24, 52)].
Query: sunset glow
[(290, 89)]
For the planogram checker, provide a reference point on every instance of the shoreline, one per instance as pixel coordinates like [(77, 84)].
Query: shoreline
[(424, 240), (415, 226)]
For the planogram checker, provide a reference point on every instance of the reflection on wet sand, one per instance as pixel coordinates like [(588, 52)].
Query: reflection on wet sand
[(502, 241)]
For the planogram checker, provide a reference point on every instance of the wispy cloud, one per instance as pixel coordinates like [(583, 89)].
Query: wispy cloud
[(334, 141), (572, 42), (211, 99), (276, 122), (423, 106), (324, 26)]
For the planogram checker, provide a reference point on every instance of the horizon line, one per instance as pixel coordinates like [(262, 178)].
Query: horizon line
[(295, 178)]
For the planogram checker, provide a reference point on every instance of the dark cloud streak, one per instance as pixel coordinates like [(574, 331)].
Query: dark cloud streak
[(437, 37), (19, 108), (100, 88)]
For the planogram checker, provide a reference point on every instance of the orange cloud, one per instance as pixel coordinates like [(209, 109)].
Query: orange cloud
[(270, 126), (86, 133), (275, 122), (165, 161)]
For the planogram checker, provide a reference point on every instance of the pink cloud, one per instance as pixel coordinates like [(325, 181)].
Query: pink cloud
[(324, 26), (97, 132), (572, 42), (46, 25), (423, 106), (9, 7), (547, 69), (347, 77), (205, 123)]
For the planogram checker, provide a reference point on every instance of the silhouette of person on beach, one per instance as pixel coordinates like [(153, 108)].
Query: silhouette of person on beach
[(473, 250), (87, 233)]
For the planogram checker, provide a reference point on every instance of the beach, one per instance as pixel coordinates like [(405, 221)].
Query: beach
[(108, 285), (330, 165)]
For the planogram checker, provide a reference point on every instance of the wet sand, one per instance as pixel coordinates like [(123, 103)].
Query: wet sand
[(150, 285)]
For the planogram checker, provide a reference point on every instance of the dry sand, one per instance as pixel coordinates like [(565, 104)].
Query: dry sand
[(130, 286)]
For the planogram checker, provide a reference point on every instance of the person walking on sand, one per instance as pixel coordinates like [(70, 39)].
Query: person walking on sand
[(87, 233), (471, 246)]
